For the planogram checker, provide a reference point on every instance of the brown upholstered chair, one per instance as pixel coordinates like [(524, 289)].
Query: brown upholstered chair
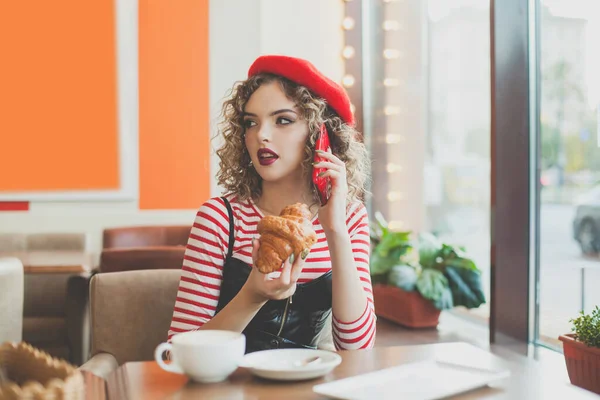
[(136, 248), (131, 313), (145, 236)]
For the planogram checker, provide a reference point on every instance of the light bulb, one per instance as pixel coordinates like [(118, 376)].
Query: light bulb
[(348, 80), (391, 110), (391, 54), (394, 196), (393, 138), (396, 225), (348, 52), (391, 82), (348, 23), (391, 25), (391, 168)]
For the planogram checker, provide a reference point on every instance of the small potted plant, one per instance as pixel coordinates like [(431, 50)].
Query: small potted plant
[(582, 351), (413, 280)]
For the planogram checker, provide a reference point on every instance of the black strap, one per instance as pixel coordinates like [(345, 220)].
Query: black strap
[(231, 228)]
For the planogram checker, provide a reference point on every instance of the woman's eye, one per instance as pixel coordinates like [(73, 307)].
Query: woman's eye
[(284, 121), (249, 123)]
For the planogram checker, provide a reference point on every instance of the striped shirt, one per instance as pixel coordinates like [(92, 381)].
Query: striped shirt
[(207, 248)]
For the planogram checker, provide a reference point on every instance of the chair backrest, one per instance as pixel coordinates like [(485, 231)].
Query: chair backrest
[(11, 299), (160, 257), (144, 236), (131, 312), (12, 242), (56, 241)]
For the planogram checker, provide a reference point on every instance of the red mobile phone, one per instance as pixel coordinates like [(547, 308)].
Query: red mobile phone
[(323, 185)]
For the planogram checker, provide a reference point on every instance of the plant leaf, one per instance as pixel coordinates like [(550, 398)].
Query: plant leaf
[(403, 276), (383, 224), (431, 284), (587, 327), (379, 278), (466, 286), (461, 263), (445, 302), (429, 248), (393, 240), (382, 264), (447, 252), (378, 228)]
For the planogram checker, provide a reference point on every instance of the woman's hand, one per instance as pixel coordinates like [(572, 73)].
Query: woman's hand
[(263, 287), (332, 216)]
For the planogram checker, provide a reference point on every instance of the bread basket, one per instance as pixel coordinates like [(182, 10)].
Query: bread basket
[(34, 374)]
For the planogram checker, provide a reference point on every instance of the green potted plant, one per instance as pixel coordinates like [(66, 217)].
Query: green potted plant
[(582, 351), (413, 280)]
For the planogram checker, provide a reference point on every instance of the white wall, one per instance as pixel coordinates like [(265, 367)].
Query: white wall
[(240, 30)]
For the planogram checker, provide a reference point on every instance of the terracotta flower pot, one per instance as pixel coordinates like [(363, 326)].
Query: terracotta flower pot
[(583, 363), (408, 309)]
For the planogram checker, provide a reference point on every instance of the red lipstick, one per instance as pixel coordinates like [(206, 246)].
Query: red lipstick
[(266, 156)]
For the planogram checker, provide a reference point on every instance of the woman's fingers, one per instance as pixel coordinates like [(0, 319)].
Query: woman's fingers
[(330, 157), (329, 165), (255, 246), (281, 287), (298, 265), (334, 175), (285, 277)]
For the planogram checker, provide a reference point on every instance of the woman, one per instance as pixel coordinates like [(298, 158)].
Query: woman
[(270, 126)]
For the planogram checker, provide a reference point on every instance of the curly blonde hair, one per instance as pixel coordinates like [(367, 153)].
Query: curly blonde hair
[(236, 174)]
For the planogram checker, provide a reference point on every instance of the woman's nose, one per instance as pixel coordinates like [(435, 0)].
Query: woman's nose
[(264, 133)]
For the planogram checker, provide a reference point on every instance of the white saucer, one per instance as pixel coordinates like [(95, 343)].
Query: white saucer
[(282, 364)]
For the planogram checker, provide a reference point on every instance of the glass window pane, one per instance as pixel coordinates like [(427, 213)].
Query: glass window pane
[(458, 134), (569, 162), (432, 123)]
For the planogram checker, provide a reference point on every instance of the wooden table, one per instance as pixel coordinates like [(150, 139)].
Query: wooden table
[(53, 262), (529, 379)]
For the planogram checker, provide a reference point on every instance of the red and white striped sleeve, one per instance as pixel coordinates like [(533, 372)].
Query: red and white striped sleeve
[(202, 270), (358, 334)]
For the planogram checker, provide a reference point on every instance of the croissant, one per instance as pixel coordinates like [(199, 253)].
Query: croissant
[(280, 236)]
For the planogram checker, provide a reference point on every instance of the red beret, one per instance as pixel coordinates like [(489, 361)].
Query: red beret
[(304, 73)]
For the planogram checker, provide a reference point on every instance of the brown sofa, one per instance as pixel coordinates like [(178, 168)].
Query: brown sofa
[(54, 315), (143, 247), (145, 236), (54, 310), (130, 259), (13, 242), (56, 241)]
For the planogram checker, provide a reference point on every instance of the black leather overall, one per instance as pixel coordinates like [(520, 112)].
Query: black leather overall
[(290, 323)]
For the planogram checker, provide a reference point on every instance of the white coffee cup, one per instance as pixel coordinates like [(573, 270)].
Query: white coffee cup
[(205, 355)]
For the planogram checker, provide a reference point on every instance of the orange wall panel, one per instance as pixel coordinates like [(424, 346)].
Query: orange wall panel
[(58, 106), (174, 109)]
